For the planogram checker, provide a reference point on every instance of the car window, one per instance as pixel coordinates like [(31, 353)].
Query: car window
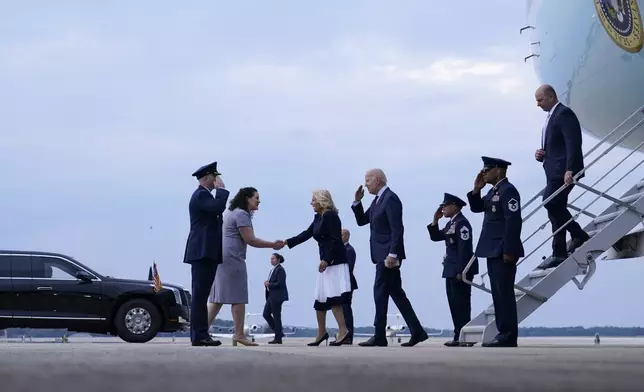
[(52, 268), (20, 266), (5, 266)]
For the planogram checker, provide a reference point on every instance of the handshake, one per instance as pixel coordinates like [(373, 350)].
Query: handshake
[(279, 244)]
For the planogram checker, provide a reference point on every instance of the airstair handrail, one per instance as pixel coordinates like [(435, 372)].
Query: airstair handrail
[(575, 179)]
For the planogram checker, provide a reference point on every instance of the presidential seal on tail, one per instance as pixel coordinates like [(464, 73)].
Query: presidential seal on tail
[(623, 23)]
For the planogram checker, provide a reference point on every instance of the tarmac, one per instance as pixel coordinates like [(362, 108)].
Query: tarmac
[(108, 364)]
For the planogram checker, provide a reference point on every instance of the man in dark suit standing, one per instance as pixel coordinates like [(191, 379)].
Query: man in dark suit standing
[(276, 294), (346, 308), (387, 252), (500, 243), (457, 235), (204, 247), (562, 159)]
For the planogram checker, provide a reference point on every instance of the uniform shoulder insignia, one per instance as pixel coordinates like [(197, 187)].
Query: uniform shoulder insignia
[(465, 233), (513, 205)]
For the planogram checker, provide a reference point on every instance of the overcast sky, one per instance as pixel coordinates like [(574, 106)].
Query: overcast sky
[(106, 110)]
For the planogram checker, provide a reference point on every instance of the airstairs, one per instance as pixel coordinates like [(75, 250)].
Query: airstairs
[(611, 233)]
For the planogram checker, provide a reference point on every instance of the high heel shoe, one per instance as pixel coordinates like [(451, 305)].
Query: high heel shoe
[(324, 338), (244, 342), (344, 340)]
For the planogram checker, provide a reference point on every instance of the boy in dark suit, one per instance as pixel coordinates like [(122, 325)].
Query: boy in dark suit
[(276, 294)]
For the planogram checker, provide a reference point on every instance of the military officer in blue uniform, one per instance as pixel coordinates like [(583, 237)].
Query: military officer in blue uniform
[(457, 235), (500, 242), (204, 247)]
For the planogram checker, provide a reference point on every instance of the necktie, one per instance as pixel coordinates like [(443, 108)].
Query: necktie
[(543, 132)]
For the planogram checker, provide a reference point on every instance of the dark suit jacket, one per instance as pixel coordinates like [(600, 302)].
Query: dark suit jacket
[(351, 258), (502, 222), (562, 144), (204, 240), (387, 230), (326, 229), (277, 290), (457, 235)]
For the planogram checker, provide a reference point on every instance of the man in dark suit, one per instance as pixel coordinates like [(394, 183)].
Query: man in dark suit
[(457, 235), (500, 242), (204, 247), (562, 159), (387, 250), (276, 294), (346, 308)]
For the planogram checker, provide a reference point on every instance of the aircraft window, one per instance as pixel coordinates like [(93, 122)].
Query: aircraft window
[(5, 267), (52, 268)]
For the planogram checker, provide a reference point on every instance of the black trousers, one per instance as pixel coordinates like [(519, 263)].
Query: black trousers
[(502, 277), (558, 214), (387, 284), (273, 316), (459, 297), (203, 274), (348, 314)]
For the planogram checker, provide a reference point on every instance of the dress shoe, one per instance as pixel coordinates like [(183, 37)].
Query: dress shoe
[(324, 338), (466, 344), (414, 340), (552, 262), (576, 243), (452, 343), (500, 343), (207, 342), (275, 341), (373, 342)]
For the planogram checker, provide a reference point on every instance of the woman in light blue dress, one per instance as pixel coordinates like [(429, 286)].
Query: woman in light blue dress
[(231, 280)]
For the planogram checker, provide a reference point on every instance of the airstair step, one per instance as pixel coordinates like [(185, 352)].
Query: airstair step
[(607, 217), (632, 198), (473, 329), (540, 273)]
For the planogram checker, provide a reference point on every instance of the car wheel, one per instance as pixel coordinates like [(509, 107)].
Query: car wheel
[(137, 321)]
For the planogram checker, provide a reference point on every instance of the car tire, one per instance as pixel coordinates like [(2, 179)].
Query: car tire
[(137, 321)]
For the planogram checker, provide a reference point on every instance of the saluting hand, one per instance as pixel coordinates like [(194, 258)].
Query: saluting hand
[(359, 193), (479, 182), (438, 214), (219, 183)]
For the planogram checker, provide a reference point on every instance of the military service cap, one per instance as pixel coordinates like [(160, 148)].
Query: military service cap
[(210, 168), (451, 199), (489, 163)]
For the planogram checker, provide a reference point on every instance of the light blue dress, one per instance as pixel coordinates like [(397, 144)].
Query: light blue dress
[(231, 281)]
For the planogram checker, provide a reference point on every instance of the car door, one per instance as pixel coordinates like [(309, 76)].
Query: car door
[(22, 288), (59, 296), (6, 291)]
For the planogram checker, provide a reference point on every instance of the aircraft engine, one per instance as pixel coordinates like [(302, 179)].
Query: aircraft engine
[(231, 330), (388, 328), (401, 328), (255, 328)]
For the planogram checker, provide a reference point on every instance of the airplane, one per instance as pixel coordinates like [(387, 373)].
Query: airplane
[(393, 331), (253, 331), (591, 53)]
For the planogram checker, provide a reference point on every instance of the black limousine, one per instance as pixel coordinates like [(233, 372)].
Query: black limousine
[(44, 290)]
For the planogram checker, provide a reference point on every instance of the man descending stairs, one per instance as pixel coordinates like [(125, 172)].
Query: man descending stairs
[(604, 231)]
